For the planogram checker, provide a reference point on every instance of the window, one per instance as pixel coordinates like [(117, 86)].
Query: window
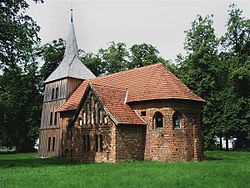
[(84, 118), (51, 118), (66, 153), (158, 120), (97, 113), (52, 94), (80, 121), (55, 119), (53, 143), (100, 116), (88, 113), (57, 91), (69, 134), (86, 143), (177, 120), (101, 143), (49, 143), (143, 113), (94, 114), (96, 142), (105, 119)]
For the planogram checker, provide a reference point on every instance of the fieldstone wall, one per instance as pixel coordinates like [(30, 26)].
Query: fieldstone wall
[(169, 143), (130, 140), (136, 142), (93, 136)]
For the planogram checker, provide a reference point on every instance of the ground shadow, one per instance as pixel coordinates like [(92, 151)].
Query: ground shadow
[(209, 158), (35, 162)]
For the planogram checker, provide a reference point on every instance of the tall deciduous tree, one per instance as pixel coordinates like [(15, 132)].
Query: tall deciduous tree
[(21, 102), (94, 63), (200, 70), (18, 32), (52, 54), (142, 55), (115, 57), (236, 56), (20, 99), (220, 76)]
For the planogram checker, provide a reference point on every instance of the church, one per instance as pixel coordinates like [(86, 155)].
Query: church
[(145, 113)]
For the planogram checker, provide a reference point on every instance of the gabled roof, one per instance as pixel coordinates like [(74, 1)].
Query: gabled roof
[(114, 99), (146, 83), (71, 65)]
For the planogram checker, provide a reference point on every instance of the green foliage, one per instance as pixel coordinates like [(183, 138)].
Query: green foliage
[(18, 32), (220, 77), (21, 106), (52, 54), (142, 55), (94, 63), (20, 98), (115, 57), (220, 169)]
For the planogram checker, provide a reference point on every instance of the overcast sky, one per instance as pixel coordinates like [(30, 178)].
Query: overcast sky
[(160, 23)]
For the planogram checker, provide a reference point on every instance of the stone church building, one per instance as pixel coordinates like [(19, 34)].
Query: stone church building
[(140, 114)]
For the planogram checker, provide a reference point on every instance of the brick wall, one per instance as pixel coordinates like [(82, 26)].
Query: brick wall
[(168, 143), (130, 140), (133, 142), (73, 142)]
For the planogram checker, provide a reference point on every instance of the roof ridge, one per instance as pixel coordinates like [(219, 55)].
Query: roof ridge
[(125, 71)]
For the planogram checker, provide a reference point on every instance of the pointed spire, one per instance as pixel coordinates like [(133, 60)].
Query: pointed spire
[(71, 43), (71, 65)]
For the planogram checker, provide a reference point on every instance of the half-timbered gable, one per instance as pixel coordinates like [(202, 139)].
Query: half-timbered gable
[(96, 127)]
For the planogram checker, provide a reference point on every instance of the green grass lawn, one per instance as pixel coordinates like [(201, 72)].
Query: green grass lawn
[(220, 169)]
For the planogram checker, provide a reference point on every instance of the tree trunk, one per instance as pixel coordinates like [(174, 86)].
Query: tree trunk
[(227, 143), (221, 143)]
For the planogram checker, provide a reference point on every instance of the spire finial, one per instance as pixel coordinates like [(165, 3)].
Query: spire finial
[(71, 16)]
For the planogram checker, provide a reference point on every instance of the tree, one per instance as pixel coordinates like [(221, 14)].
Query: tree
[(142, 55), (115, 57), (94, 63), (18, 32), (236, 56), (20, 100), (52, 54), (220, 77), (200, 69)]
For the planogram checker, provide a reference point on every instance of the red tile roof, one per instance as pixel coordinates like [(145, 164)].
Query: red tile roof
[(114, 101), (145, 83)]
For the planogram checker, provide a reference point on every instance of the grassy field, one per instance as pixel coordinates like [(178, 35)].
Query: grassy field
[(220, 169)]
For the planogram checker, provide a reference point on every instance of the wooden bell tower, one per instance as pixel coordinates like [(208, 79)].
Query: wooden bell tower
[(58, 87)]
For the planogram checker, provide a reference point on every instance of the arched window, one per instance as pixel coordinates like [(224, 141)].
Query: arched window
[(158, 120), (177, 120)]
